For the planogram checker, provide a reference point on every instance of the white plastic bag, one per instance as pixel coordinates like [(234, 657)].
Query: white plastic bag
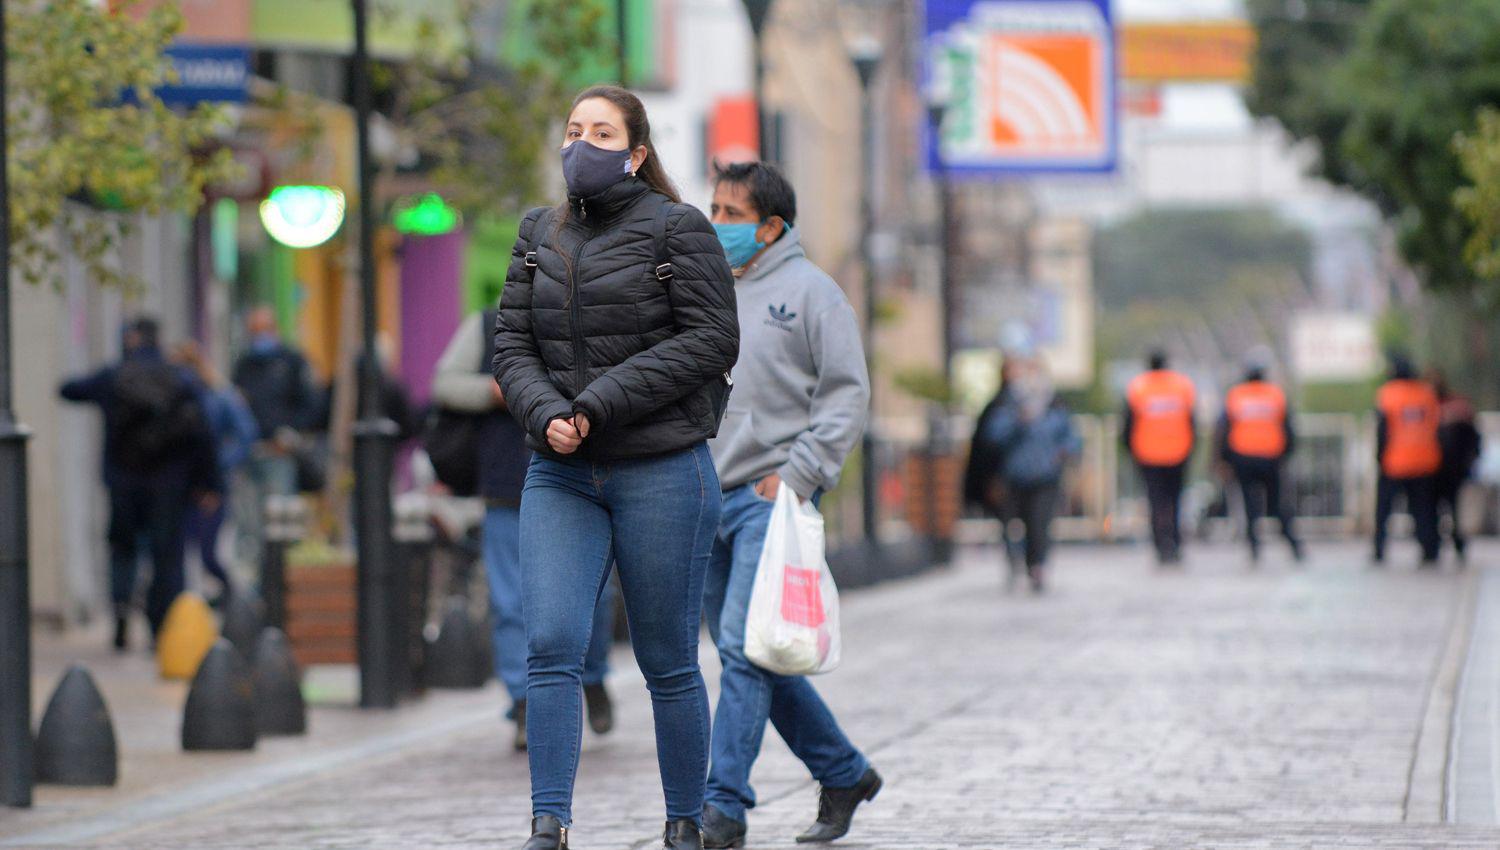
[(792, 626)]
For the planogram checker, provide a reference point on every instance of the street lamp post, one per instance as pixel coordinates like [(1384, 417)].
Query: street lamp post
[(759, 10), (374, 435), (865, 53), (15, 589), (935, 112), (622, 36)]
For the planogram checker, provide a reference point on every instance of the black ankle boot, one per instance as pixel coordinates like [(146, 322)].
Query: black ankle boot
[(601, 709), (682, 835), (836, 808), (547, 833), (720, 830)]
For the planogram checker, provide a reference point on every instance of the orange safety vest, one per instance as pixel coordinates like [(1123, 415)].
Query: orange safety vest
[(1161, 410), (1256, 411), (1411, 412)]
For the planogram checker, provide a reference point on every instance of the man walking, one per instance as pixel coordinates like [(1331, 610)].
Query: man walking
[(1410, 456), (465, 386), (158, 456), (801, 403), (1461, 445), (1159, 434), (1255, 439)]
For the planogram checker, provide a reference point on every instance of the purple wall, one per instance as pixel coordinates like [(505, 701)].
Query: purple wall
[(432, 273)]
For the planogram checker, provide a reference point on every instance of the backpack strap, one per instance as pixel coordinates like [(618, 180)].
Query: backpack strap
[(664, 271), (538, 233)]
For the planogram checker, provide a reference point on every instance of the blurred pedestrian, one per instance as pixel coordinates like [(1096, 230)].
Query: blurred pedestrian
[(1255, 436), (801, 407), (158, 458), (1030, 440), (1461, 446), (983, 488), (234, 432), (1159, 433), (465, 386), (277, 384), (616, 332), (1410, 456)]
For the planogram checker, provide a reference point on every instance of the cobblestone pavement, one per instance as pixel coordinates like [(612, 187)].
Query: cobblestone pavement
[(1215, 707)]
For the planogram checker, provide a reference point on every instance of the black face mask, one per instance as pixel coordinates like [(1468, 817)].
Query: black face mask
[(590, 170)]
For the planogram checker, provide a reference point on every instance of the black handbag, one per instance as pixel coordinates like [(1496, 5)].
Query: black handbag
[(451, 437)]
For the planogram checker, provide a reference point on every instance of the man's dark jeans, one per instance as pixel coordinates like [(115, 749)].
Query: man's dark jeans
[(149, 510), (1164, 494)]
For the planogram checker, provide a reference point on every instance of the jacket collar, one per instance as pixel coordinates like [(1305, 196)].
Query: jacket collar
[(608, 204), (783, 250)]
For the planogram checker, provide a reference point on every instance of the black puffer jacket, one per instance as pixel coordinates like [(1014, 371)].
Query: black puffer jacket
[(592, 330)]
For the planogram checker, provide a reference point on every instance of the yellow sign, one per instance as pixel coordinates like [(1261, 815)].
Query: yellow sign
[(1203, 52)]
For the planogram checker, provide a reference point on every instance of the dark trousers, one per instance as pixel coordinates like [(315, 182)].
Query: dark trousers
[(1448, 489), (1421, 503), (203, 529), (154, 512), (1034, 505), (1164, 495), (1260, 484)]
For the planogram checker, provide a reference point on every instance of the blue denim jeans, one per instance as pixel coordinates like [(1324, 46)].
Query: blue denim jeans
[(748, 695), (502, 566), (656, 518), (503, 570)]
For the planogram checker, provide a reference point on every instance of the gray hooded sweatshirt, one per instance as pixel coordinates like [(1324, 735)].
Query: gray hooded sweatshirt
[(801, 393)]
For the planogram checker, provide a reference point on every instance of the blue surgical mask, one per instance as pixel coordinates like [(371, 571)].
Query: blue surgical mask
[(740, 244), (590, 169)]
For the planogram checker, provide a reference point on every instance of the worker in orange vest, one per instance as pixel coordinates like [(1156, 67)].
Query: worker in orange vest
[(1159, 435), (1255, 437), (1410, 456)]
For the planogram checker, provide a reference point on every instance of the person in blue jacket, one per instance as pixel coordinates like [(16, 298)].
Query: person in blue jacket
[(234, 432)]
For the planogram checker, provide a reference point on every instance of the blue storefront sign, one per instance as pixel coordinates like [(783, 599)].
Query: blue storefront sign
[(1028, 86), (207, 73)]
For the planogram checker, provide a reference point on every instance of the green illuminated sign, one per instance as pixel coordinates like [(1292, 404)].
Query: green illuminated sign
[(302, 216), (428, 215)]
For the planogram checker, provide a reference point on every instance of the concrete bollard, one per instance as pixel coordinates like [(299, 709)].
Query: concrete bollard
[(187, 634), (243, 621), (453, 659), (279, 707), (76, 742), (220, 709)]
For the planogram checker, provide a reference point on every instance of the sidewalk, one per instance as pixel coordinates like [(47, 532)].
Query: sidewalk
[(1216, 707)]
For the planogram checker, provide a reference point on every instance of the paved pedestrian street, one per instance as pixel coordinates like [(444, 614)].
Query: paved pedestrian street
[(1212, 707)]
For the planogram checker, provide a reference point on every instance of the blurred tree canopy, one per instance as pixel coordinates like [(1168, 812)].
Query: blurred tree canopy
[(1383, 87), (1479, 156), (481, 117), (1210, 283), (83, 124)]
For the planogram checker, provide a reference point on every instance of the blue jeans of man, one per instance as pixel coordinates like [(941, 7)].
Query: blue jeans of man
[(502, 565), (655, 517), (748, 695), (152, 510)]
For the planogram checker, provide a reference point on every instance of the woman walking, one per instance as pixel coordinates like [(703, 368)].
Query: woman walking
[(614, 335)]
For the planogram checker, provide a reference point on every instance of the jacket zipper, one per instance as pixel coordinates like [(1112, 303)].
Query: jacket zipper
[(575, 317)]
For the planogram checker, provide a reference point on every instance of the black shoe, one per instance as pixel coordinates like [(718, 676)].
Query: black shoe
[(1038, 584), (682, 835), (1298, 553), (122, 632), (836, 808), (547, 833), (519, 715), (601, 709), (721, 830)]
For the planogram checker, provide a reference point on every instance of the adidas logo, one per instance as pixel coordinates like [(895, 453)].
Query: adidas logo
[(780, 314)]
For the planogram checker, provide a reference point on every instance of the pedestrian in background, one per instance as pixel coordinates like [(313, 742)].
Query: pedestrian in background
[(1031, 439), (234, 432), (616, 332), (1410, 456), (277, 384), (983, 489), (1461, 445), (802, 401), (464, 385), (1158, 431), (1255, 436), (158, 458)]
